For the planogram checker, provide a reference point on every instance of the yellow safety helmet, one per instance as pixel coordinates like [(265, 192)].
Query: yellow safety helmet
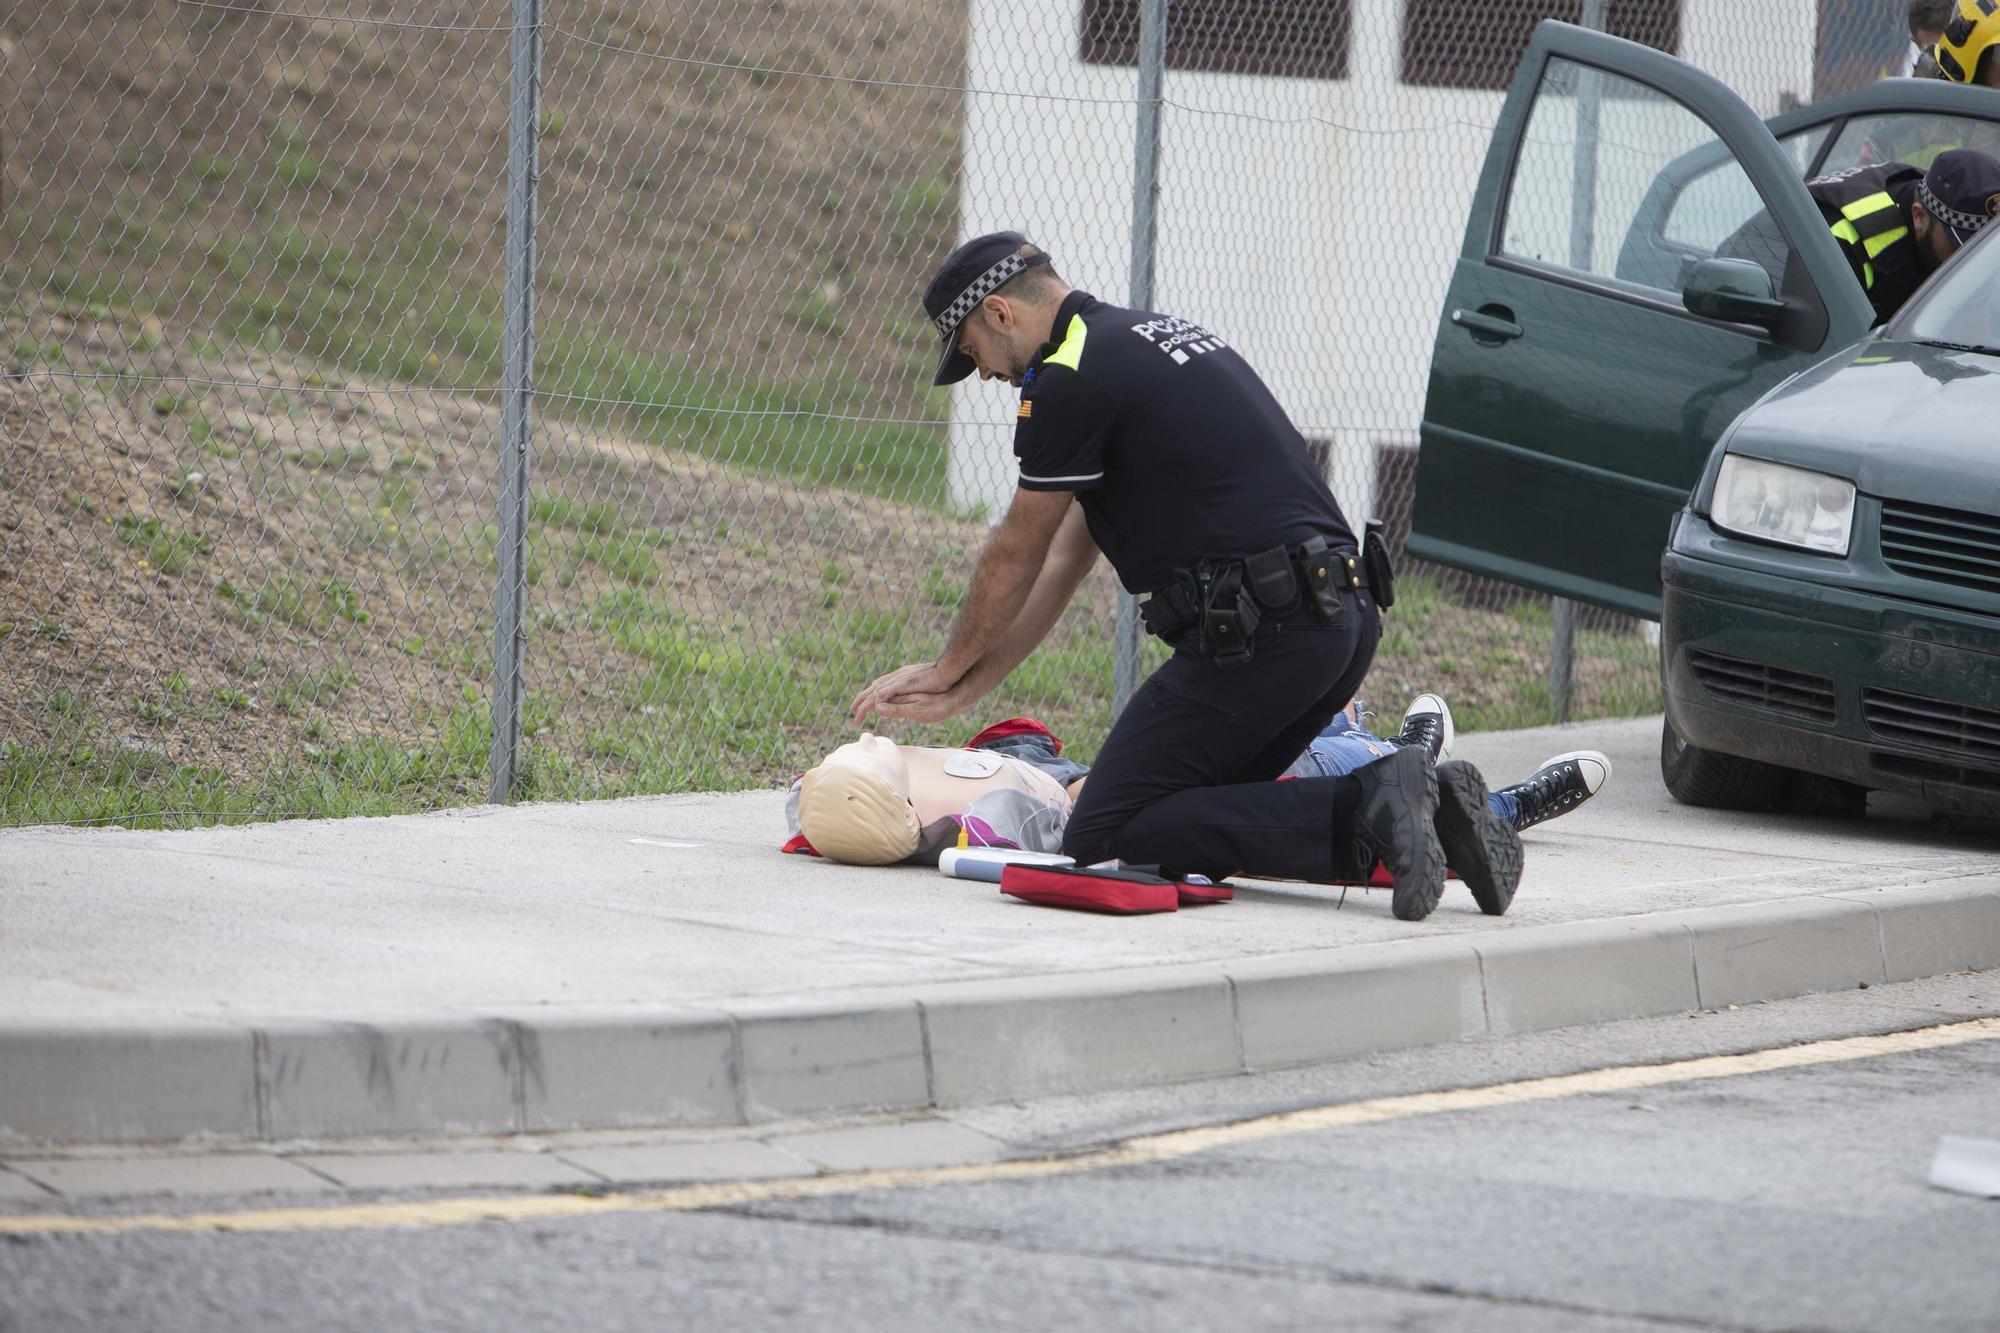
[(1967, 39)]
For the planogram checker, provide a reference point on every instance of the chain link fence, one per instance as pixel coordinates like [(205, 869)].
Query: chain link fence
[(361, 353)]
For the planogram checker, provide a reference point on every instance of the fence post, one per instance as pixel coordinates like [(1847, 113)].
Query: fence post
[(1145, 235), (1582, 239), (516, 393)]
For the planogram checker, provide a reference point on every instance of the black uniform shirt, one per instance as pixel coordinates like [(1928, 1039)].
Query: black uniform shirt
[(1176, 449), (1894, 271)]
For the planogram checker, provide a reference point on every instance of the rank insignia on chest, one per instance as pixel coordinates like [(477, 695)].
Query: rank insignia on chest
[(1027, 408)]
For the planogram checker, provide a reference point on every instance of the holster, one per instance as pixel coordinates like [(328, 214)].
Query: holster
[(1381, 570), (1171, 611), (1229, 614)]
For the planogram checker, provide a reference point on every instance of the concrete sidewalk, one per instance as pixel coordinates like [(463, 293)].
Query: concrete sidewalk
[(656, 962)]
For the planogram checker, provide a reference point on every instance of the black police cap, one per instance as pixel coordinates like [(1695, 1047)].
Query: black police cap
[(1962, 190), (968, 276)]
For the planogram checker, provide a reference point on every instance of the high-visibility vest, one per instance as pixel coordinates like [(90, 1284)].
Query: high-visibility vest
[(1873, 229)]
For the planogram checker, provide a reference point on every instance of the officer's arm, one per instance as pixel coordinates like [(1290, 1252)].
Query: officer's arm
[(1010, 569), (1071, 556)]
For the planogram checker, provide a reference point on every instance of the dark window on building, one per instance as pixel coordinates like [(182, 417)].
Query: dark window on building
[(1477, 43), (1304, 39)]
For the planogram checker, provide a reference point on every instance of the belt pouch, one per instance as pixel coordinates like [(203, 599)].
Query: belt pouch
[(1324, 576), (1272, 581), (1375, 559)]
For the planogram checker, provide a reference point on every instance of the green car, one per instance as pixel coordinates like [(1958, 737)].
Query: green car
[(1811, 508)]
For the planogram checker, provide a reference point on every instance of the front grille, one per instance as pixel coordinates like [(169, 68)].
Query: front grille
[(1791, 692), (1942, 545), (1971, 733)]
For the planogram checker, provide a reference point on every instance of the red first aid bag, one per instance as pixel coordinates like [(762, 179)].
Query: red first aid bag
[(1118, 892)]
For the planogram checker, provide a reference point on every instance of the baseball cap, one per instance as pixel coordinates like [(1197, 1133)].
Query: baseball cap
[(968, 276), (1962, 191)]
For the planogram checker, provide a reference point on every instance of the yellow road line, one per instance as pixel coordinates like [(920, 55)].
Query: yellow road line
[(1145, 1149)]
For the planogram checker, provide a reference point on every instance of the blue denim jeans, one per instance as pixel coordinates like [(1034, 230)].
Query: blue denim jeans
[(1346, 745)]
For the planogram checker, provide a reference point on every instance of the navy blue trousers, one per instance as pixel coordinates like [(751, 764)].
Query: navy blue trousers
[(1186, 778)]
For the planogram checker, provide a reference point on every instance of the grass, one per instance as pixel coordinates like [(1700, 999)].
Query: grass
[(162, 546), (389, 303)]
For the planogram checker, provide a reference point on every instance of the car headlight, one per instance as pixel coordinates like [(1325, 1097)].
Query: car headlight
[(1783, 504)]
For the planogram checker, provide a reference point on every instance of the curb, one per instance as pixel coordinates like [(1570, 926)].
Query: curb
[(960, 1043)]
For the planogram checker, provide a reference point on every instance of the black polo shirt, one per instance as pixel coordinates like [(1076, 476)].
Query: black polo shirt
[(1175, 448)]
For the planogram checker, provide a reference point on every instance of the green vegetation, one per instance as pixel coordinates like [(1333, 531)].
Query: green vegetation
[(164, 547)]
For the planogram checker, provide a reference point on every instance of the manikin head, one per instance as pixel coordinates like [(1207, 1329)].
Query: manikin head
[(855, 806)]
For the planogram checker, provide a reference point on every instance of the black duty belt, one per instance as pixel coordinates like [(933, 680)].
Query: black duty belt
[(1215, 608)]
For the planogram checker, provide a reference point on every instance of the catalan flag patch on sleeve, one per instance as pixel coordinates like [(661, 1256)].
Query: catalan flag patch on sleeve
[(1027, 408)]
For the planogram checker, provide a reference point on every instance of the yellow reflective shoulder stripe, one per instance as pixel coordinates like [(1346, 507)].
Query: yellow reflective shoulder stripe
[(1873, 203), (1071, 350), (1875, 245)]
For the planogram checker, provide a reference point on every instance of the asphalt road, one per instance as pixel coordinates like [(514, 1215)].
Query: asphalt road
[(1787, 1199)]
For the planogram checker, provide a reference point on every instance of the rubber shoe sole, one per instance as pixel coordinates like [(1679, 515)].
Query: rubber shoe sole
[(1480, 846), (1395, 823)]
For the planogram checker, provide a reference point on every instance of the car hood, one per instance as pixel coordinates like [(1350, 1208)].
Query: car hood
[(1901, 420)]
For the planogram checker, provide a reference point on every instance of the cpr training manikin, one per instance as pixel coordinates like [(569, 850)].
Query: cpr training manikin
[(874, 802)]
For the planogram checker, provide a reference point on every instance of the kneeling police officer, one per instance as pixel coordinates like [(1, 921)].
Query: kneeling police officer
[(1148, 438)]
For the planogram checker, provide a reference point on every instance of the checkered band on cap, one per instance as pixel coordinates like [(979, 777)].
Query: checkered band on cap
[(982, 287), (1957, 220)]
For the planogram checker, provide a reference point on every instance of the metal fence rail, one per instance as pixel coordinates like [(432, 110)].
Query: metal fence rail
[(411, 401)]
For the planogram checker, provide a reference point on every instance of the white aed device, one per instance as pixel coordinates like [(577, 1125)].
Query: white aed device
[(986, 863)]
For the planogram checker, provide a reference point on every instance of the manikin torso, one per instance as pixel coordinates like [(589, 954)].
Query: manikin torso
[(941, 782)]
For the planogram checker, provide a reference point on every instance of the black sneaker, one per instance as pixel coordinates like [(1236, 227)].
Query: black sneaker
[(1427, 722), (1394, 824), (1559, 786), (1482, 847)]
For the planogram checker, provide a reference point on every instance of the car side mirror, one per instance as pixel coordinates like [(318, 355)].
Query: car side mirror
[(1738, 290)]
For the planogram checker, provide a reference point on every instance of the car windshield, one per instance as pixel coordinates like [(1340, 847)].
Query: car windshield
[(1961, 307)]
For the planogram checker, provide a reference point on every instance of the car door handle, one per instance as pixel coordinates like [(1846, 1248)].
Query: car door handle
[(1491, 324)]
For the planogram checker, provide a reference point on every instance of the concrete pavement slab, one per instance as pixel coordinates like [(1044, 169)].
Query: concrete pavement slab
[(98, 1079), (220, 1173), (644, 1163), (1040, 1035), (1925, 934), (446, 1170), (911, 1144), (20, 1189), (1295, 1009)]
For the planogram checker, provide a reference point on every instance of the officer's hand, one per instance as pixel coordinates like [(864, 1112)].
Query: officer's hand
[(917, 678), (925, 707)]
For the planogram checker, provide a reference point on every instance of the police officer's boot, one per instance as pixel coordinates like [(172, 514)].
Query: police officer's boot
[(1481, 847), (1393, 823)]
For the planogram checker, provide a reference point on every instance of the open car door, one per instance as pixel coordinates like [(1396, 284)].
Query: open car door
[(1578, 382)]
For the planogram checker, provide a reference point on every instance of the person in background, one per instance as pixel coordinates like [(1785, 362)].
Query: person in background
[(1964, 51), (1927, 19)]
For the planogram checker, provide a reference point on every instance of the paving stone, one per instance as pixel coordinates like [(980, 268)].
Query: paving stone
[(106, 1082), (1929, 930), (448, 1170), (1586, 972), (617, 1067), (1033, 1036), (221, 1173), (915, 1143), (1775, 951), (1301, 1008), (821, 1059), (19, 1189), (643, 1162), (438, 1076)]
